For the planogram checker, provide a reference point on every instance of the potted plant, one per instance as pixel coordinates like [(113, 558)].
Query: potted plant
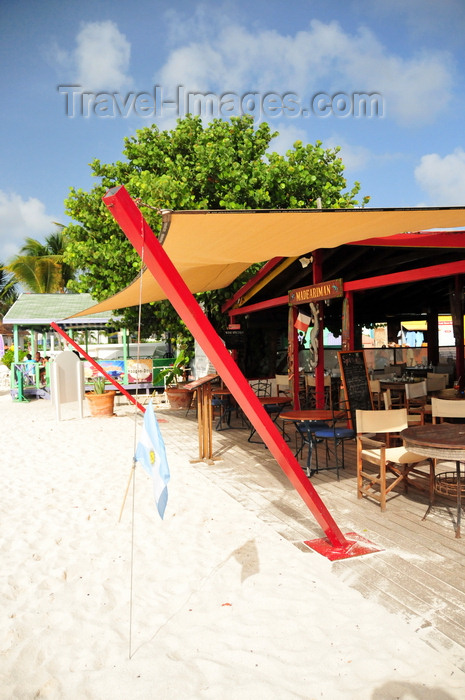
[(173, 376), (100, 400)]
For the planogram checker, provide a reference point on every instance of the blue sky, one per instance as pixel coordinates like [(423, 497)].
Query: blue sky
[(408, 54)]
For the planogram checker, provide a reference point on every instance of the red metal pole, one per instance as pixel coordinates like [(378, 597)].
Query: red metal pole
[(97, 366), (320, 368), (129, 217)]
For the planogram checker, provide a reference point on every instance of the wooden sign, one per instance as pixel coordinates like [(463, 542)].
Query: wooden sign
[(355, 381), (316, 292)]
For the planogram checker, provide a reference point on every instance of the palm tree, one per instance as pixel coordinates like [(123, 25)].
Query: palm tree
[(8, 291), (39, 266)]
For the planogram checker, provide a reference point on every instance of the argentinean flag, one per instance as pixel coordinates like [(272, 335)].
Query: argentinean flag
[(151, 454), (302, 322)]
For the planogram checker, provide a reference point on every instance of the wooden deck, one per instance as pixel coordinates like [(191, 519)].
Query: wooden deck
[(420, 573)]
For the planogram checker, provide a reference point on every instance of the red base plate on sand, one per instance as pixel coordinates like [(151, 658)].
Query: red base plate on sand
[(356, 546)]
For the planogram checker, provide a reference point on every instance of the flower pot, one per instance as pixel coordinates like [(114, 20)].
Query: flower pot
[(178, 397), (101, 404)]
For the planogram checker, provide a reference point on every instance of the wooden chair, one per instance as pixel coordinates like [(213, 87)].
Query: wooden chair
[(416, 395), (310, 391), (396, 370), (436, 382), (282, 384), (397, 462), (446, 408), (375, 389), (412, 418)]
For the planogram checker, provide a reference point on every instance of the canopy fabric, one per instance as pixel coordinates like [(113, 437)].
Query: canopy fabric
[(210, 249)]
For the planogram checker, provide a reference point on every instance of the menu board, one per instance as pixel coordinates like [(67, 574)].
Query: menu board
[(354, 377)]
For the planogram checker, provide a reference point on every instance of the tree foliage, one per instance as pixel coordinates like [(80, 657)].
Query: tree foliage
[(40, 267), (8, 290), (223, 165)]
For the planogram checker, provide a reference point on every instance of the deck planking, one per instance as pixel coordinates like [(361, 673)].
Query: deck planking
[(420, 572)]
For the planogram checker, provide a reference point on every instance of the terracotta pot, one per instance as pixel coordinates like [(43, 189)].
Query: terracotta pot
[(101, 404), (179, 397)]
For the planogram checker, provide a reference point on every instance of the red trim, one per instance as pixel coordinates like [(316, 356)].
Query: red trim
[(420, 239), (268, 304), (420, 273), (157, 261), (270, 265)]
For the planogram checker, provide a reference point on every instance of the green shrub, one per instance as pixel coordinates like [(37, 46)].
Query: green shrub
[(9, 356)]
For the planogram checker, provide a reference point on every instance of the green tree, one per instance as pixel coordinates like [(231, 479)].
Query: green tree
[(223, 165), (8, 290), (40, 267)]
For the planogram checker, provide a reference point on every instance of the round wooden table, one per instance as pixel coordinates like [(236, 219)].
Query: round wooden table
[(309, 414), (440, 441)]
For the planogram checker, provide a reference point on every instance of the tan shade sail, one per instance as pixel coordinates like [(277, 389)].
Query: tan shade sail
[(211, 248)]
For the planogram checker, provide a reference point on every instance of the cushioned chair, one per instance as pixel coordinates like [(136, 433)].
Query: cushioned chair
[(333, 437), (305, 437), (221, 408), (396, 462)]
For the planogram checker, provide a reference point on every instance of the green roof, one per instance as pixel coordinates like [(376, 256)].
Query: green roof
[(41, 309)]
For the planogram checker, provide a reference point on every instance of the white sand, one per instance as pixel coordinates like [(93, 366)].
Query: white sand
[(223, 608)]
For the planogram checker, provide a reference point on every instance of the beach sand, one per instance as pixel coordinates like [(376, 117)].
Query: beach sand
[(223, 608)]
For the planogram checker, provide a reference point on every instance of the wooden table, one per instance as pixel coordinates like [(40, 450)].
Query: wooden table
[(440, 441), (311, 414)]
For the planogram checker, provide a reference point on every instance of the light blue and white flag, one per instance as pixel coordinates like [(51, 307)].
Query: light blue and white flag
[(151, 454)]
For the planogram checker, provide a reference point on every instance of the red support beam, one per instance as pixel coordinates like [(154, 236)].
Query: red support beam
[(97, 366), (259, 306), (320, 368), (128, 216), (419, 239), (420, 273), (267, 267)]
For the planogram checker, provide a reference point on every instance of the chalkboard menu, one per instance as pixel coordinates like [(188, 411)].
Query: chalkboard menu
[(355, 382)]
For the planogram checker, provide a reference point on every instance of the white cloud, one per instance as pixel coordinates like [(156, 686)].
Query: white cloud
[(443, 178), (20, 219), (100, 60), (354, 157), (322, 58), (286, 138)]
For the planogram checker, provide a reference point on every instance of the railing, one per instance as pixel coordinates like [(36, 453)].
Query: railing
[(126, 372)]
